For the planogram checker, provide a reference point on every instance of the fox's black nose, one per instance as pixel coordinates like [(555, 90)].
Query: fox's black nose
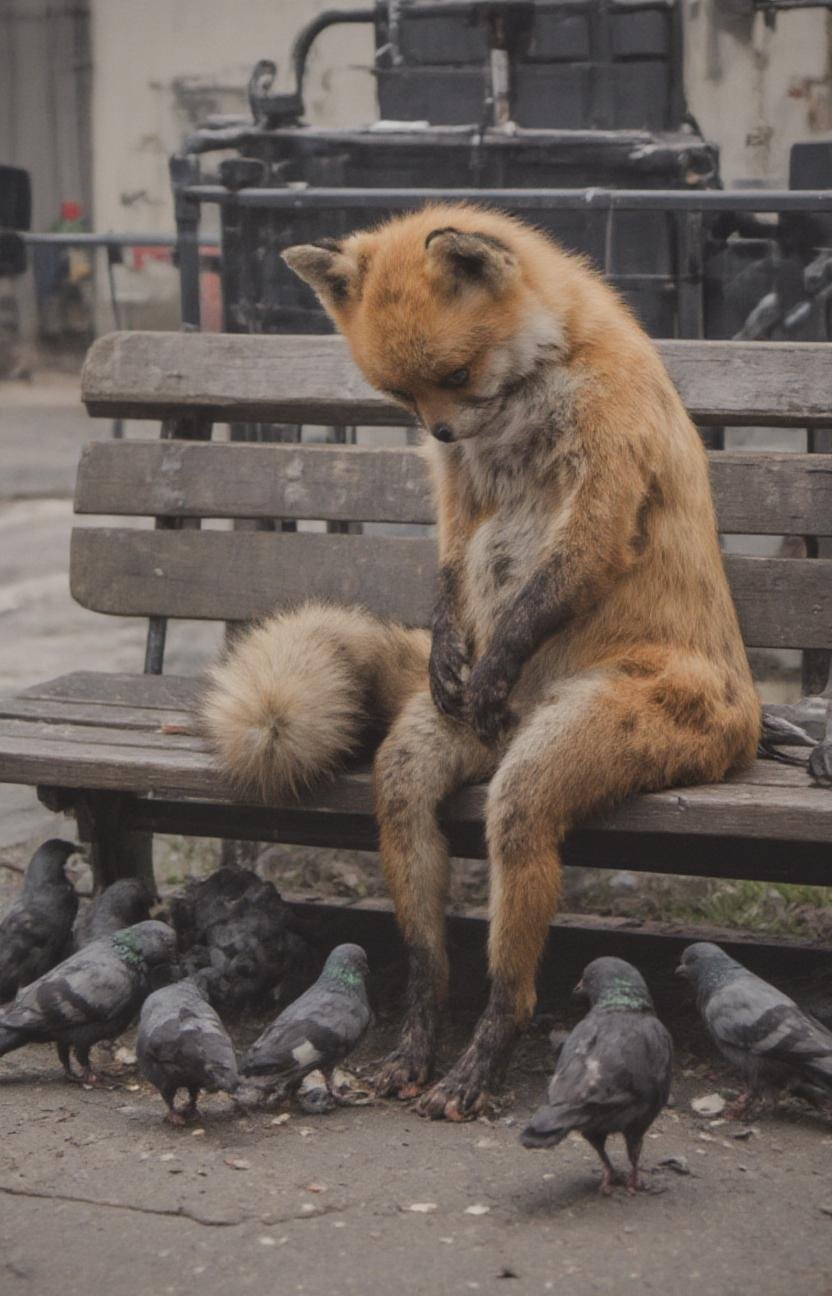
[(442, 432)]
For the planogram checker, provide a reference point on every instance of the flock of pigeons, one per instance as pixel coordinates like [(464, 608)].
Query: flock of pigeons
[(76, 981)]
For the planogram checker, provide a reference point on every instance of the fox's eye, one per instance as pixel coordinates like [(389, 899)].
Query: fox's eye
[(458, 378)]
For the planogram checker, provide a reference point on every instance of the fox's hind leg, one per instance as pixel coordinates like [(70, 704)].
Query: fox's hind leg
[(424, 758), (599, 737)]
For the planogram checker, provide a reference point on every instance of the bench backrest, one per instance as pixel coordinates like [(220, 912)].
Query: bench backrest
[(232, 575)]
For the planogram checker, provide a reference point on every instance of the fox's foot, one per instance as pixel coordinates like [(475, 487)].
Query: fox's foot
[(479, 1072), (460, 1096), (404, 1073)]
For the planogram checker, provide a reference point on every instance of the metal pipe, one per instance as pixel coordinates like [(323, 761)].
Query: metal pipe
[(755, 200), (81, 239)]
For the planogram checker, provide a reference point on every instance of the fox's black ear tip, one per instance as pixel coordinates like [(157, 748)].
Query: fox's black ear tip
[(446, 229)]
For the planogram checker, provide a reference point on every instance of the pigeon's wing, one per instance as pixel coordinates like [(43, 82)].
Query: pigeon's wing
[(750, 1015), (30, 937), (187, 1041), (318, 1029), (91, 986), (612, 1062)]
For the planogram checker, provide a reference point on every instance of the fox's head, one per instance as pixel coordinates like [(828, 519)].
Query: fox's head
[(443, 310)]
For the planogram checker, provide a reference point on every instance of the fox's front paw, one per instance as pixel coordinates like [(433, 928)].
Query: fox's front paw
[(448, 670), (488, 692)]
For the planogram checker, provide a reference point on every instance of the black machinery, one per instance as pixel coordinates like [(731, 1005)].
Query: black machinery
[(525, 103)]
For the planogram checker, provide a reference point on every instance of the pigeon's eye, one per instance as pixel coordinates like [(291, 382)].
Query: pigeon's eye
[(458, 378)]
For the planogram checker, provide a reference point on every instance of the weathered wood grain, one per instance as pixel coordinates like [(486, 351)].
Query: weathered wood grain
[(232, 576), (313, 380), (120, 688), (779, 814), (805, 862), (755, 494)]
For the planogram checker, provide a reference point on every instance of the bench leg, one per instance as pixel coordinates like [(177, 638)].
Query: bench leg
[(114, 852)]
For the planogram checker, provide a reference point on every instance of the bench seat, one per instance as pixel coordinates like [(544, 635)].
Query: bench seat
[(136, 736)]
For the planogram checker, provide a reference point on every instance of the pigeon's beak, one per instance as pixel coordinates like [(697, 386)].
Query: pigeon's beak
[(579, 989), (681, 970)]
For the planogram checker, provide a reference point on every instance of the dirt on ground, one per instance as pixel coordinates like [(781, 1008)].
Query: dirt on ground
[(98, 1193)]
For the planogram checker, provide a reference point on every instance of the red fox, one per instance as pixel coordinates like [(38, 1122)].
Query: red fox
[(584, 643)]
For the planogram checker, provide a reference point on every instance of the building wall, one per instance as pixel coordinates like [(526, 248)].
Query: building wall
[(163, 65), (756, 89)]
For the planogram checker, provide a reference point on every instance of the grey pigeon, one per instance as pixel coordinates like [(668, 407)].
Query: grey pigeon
[(91, 996), (35, 933), (613, 1070), (318, 1030), (122, 904), (763, 1032), (182, 1044)]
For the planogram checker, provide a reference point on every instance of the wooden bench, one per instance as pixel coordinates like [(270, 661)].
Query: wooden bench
[(122, 751)]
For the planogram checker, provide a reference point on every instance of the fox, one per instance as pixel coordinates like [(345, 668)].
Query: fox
[(584, 646)]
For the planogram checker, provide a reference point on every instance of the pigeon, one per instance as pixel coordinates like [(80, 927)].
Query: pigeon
[(182, 1044), (36, 931), (250, 947), (763, 1032), (93, 995), (318, 1030), (120, 905), (612, 1073)]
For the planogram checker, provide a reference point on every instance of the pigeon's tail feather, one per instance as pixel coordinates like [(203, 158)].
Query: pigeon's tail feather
[(546, 1128), (295, 696), (10, 1040)]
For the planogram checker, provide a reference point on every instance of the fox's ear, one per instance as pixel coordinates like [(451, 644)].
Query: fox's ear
[(328, 268), (466, 260)]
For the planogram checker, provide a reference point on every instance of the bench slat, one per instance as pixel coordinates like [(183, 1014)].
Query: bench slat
[(765, 813), (312, 379), (759, 494), (84, 699), (232, 576)]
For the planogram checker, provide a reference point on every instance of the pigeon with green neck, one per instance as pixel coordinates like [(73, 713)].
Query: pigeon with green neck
[(613, 1071), (91, 996), (767, 1037), (317, 1031)]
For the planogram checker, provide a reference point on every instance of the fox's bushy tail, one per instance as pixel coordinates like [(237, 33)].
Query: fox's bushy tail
[(297, 694)]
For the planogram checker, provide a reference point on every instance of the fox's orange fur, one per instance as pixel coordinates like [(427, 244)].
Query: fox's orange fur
[(585, 645)]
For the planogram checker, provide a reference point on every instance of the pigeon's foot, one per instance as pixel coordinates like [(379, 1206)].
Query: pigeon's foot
[(175, 1118), (739, 1107), (96, 1080), (610, 1179), (635, 1183)]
